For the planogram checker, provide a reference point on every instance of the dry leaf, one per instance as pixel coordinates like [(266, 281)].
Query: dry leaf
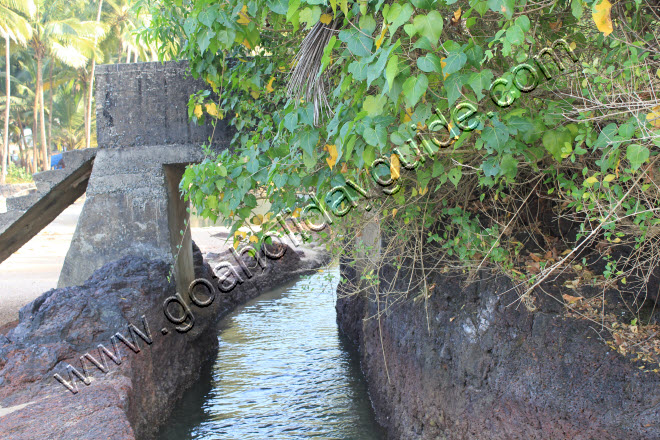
[(457, 16), (332, 151), (395, 166), (602, 17), (571, 299), (326, 18), (243, 17), (654, 116), (212, 109), (379, 41), (269, 86), (556, 25)]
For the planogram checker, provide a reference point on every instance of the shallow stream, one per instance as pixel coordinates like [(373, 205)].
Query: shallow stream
[(283, 371)]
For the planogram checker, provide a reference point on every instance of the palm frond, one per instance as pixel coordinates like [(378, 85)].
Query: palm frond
[(306, 82)]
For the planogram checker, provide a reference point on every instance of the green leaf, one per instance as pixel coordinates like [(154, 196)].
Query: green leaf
[(523, 22), (429, 63), (429, 26), (207, 16), (455, 60), (504, 7), (392, 70), (454, 175), (555, 141), (374, 105), (376, 69), (453, 85), (398, 15), (637, 155), (414, 88), (515, 35), (509, 166), (495, 137), (576, 8), (438, 168), (279, 6), (308, 141), (424, 4), (204, 39), (280, 180), (480, 81), (358, 43)]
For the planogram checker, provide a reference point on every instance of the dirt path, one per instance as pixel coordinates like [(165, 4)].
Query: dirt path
[(36, 267)]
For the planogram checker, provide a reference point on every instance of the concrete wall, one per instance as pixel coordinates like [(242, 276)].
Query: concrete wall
[(133, 206)]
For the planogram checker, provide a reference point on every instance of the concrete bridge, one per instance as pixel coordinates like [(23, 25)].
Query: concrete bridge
[(133, 204)]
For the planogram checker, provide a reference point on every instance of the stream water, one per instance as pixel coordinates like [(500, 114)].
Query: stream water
[(283, 372)]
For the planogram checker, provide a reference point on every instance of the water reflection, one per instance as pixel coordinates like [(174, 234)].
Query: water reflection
[(283, 371)]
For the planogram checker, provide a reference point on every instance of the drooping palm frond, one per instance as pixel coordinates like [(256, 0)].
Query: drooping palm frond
[(306, 80), (12, 23)]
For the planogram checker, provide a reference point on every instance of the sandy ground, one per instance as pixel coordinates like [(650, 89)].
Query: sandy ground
[(36, 267)]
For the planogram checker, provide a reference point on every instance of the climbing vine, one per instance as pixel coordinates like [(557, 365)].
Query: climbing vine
[(506, 133)]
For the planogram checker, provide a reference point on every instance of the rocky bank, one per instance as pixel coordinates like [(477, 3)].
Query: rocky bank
[(473, 363), (129, 400)]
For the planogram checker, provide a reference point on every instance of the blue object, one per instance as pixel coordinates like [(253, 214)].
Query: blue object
[(56, 161)]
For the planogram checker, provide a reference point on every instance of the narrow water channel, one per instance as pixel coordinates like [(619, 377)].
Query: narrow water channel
[(283, 372)]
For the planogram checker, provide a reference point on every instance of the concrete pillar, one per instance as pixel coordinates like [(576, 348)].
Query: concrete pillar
[(133, 204)]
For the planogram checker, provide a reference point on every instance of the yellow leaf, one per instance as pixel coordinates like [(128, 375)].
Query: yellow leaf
[(326, 18), (269, 86), (332, 151), (602, 17), (243, 17), (254, 238), (258, 219), (572, 45), (654, 116), (423, 191), (212, 109), (591, 180), (296, 213), (394, 211), (395, 166), (198, 111), (254, 94), (408, 116), (379, 41), (609, 178), (246, 43)]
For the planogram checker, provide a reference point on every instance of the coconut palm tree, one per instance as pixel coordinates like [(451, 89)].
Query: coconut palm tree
[(68, 39), (14, 27)]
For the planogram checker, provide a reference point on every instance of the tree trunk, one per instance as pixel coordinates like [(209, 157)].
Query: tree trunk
[(42, 116), (50, 105), (22, 148), (88, 115), (128, 56), (5, 153), (135, 60), (35, 152)]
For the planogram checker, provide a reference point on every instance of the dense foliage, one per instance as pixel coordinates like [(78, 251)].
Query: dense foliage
[(481, 139)]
